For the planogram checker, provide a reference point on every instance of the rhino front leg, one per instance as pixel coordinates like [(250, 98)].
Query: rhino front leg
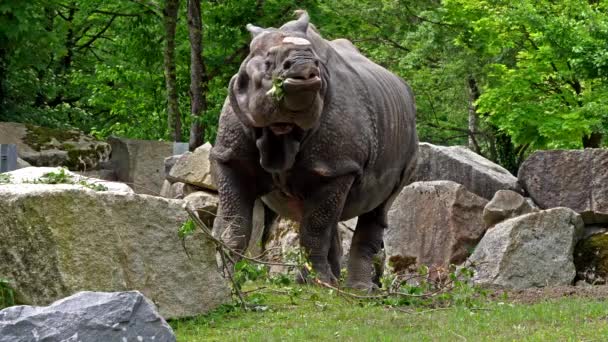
[(319, 224), (366, 243), (235, 212), (335, 253)]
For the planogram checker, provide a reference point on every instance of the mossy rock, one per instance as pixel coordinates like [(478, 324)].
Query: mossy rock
[(591, 259), (43, 146), (39, 138)]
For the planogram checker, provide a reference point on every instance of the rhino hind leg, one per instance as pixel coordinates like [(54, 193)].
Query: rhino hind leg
[(366, 243)]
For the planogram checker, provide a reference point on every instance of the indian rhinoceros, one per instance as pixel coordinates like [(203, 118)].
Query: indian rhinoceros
[(321, 134)]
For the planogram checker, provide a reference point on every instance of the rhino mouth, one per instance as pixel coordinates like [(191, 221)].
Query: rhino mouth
[(281, 128), (295, 84)]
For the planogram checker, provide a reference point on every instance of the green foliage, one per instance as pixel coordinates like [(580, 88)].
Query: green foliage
[(276, 91), (186, 229), (7, 295), (546, 77), (534, 73), (63, 177)]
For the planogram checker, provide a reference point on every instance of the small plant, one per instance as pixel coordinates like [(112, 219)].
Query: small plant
[(186, 229), (7, 295), (93, 186), (5, 178), (276, 92), (62, 177)]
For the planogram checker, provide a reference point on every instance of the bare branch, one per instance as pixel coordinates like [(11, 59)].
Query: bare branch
[(118, 14), (99, 34)]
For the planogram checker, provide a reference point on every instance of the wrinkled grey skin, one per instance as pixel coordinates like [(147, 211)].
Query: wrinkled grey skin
[(341, 142)]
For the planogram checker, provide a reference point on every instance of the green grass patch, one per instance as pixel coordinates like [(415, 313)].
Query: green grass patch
[(318, 314)]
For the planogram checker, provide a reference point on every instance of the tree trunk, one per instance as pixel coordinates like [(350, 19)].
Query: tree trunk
[(173, 116), (594, 140), (198, 75), (473, 96)]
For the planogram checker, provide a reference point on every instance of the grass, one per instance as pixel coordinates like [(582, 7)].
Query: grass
[(319, 315)]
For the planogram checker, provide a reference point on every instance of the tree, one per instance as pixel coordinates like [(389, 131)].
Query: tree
[(198, 76), (173, 114), (546, 85)]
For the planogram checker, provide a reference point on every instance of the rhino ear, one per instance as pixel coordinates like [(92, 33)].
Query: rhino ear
[(303, 20), (254, 30)]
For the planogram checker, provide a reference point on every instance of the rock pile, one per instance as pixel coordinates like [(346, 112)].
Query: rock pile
[(57, 239)]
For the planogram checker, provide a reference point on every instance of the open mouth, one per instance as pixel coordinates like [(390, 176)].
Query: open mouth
[(281, 128), (300, 83)]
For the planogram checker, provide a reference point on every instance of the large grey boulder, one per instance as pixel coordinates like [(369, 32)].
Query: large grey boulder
[(577, 179), (463, 166), (29, 175), (40, 146), (434, 224), (87, 316), (194, 168), (141, 163), (504, 205), (533, 250), (56, 240)]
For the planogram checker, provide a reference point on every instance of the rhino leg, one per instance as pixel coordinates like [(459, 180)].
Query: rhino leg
[(367, 242), (319, 223), (237, 197), (335, 253)]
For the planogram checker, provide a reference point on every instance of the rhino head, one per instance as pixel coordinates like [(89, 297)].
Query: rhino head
[(279, 90)]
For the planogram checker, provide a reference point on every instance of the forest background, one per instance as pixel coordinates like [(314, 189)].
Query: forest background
[(503, 77)]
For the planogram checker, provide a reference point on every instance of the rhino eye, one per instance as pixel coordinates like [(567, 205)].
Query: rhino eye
[(268, 65)]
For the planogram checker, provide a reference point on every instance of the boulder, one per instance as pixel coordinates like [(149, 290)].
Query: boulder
[(506, 204), (283, 241), (577, 179), (434, 224), (32, 175), (165, 190), (140, 163), (194, 168), (346, 229), (591, 259), (40, 146), (532, 250), (170, 162), (22, 163), (56, 240), (87, 316), (103, 174), (463, 166), (204, 204)]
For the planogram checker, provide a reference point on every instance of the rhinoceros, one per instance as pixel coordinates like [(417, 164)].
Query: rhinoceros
[(321, 134)]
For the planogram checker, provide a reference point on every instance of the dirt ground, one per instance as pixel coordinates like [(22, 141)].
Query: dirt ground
[(535, 295)]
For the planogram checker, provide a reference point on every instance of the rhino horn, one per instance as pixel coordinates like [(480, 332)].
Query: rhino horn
[(303, 20), (255, 30), (299, 25)]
